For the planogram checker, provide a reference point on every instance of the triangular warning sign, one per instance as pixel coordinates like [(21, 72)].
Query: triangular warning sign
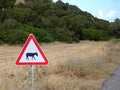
[(31, 54)]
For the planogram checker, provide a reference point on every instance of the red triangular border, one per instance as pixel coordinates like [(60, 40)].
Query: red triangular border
[(31, 36)]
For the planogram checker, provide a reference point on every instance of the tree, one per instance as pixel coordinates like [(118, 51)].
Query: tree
[(9, 24), (39, 1), (24, 15), (115, 28), (96, 35), (6, 4)]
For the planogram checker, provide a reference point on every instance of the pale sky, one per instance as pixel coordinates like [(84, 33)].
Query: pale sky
[(103, 9)]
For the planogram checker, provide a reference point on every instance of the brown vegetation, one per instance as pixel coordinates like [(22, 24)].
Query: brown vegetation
[(79, 66)]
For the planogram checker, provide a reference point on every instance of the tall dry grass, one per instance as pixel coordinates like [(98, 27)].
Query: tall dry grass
[(80, 66)]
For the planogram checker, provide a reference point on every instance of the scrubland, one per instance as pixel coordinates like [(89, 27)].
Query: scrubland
[(77, 66)]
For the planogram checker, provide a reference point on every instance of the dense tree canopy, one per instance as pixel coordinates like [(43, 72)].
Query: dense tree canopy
[(51, 21), (7, 3), (115, 28)]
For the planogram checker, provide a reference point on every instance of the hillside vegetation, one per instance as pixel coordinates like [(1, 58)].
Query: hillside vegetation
[(51, 21)]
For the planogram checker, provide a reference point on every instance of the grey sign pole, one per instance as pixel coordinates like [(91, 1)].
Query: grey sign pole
[(31, 77)]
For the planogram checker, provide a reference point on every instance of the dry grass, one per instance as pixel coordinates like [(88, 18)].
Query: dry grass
[(79, 66)]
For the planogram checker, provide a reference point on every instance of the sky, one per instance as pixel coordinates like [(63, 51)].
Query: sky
[(103, 9)]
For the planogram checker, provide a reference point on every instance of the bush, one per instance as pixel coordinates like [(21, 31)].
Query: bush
[(9, 24), (61, 34), (19, 36), (115, 28), (41, 34), (16, 36), (24, 15), (2, 36), (96, 35), (48, 38)]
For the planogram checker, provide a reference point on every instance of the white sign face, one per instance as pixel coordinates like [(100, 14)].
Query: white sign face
[(31, 53)]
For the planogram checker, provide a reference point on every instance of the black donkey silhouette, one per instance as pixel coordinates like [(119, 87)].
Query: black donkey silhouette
[(31, 55)]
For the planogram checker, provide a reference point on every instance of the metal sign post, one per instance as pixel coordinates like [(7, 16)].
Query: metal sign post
[(31, 77)]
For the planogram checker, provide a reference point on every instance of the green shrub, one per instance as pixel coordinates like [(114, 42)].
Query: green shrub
[(96, 35), (16, 36), (41, 34), (2, 36), (24, 15), (48, 38), (9, 24), (1, 42), (19, 36), (61, 34)]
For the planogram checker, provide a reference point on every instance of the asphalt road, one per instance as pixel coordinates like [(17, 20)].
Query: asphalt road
[(113, 83)]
